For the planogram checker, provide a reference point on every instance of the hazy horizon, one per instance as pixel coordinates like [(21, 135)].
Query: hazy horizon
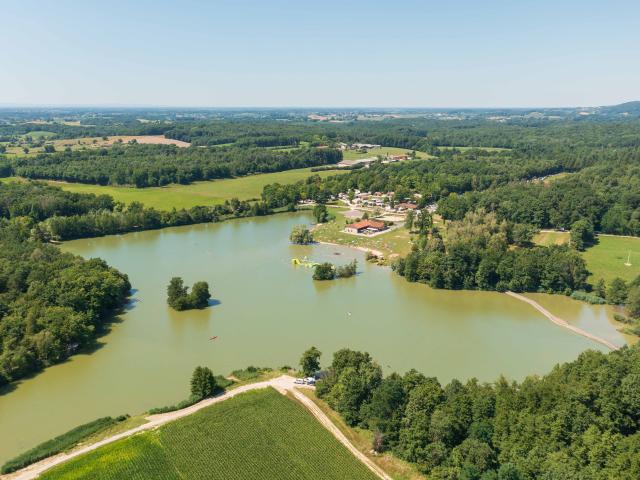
[(287, 54), (303, 107)]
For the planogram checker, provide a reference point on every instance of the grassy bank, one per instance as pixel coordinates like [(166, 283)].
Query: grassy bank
[(259, 434), (61, 443), (199, 193), (362, 439), (391, 244)]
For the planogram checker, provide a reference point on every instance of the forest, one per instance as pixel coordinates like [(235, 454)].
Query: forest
[(477, 253), (158, 165), (60, 215), (606, 194), (580, 421), (52, 304)]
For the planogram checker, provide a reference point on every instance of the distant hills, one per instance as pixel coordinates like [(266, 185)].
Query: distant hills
[(630, 108)]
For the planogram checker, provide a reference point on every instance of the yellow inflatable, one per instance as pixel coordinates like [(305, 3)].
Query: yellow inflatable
[(304, 262)]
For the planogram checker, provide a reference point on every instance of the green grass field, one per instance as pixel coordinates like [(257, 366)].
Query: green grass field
[(38, 134), (256, 435), (353, 155), (199, 193), (607, 259), (396, 241), (551, 238)]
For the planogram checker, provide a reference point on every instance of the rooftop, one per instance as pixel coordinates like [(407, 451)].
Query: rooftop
[(367, 224)]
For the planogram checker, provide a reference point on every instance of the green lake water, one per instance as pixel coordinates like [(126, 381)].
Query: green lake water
[(266, 312)]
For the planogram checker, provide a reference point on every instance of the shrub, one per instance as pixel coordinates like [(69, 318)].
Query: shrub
[(348, 270), (192, 400), (301, 235), (621, 318), (249, 373), (59, 443), (588, 297), (324, 271), (179, 299)]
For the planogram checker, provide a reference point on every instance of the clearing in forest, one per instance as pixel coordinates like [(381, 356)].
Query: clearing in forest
[(198, 193)]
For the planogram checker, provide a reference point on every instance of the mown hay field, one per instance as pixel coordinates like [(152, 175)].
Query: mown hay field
[(256, 435), (197, 193)]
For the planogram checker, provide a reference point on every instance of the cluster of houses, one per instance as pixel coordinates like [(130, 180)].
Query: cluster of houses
[(369, 160), (357, 146), (382, 201)]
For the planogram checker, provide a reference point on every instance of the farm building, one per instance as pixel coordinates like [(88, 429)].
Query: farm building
[(407, 206), (366, 227)]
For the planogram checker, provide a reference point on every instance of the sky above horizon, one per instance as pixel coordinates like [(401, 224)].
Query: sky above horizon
[(405, 53)]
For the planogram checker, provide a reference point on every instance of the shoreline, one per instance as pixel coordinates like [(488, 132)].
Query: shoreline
[(561, 322), (550, 316), (377, 253)]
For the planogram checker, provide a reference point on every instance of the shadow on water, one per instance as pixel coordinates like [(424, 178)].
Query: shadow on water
[(4, 390), (130, 305), (102, 329), (326, 285)]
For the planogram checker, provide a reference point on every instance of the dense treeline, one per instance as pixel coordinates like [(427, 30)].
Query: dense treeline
[(157, 165), (581, 421), (476, 254), (51, 303), (40, 201), (454, 172), (65, 216), (421, 132), (135, 217), (606, 194), (598, 185), (417, 133)]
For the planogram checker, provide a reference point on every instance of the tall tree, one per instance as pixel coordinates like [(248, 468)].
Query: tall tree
[(320, 213), (310, 361), (203, 383), (408, 220), (582, 234)]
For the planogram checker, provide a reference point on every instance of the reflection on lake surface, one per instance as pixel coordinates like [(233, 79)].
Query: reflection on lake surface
[(266, 313)]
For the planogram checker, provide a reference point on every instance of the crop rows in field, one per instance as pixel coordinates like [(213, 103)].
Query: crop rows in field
[(255, 435)]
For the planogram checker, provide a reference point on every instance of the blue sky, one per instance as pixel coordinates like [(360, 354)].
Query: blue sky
[(328, 53)]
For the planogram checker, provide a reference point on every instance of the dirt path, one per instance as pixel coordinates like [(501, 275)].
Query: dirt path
[(335, 431), (563, 323), (283, 384)]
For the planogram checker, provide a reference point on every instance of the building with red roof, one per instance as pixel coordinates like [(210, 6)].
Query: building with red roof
[(366, 227)]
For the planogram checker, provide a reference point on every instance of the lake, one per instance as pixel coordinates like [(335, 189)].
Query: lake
[(267, 312)]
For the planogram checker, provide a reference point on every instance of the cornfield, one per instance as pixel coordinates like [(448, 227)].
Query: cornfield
[(256, 435)]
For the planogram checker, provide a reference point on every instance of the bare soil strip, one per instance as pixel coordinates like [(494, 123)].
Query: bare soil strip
[(563, 323), (329, 425)]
